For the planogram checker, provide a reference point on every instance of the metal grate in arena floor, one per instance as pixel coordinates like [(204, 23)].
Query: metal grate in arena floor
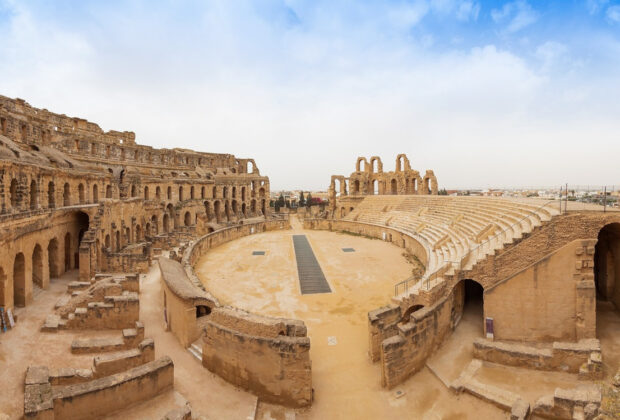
[(258, 252), (348, 250), (311, 277)]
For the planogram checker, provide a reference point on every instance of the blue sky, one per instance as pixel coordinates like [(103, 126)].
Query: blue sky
[(486, 93)]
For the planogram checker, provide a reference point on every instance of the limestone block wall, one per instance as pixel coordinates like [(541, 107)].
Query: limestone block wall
[(98, 397), (552, 300), (249, 353)]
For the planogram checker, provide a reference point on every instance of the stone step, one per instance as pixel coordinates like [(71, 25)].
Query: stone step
[(196, 352), (62, 301)]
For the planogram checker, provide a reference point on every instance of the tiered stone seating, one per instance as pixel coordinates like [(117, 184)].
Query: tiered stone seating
[(457, 232)]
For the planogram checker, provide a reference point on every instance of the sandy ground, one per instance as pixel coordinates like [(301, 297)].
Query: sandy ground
[(347, 385)]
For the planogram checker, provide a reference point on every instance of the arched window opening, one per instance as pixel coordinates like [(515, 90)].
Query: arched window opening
[(37, 266), (52, 258), (108, 191), (14, 195), (34, 195), (19, 280), (81, 194), (187, 219), (95, 193), (202, 310), (51, 195), (66, 198)]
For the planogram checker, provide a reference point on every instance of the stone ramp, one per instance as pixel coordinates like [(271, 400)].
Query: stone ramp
[(311, 277)]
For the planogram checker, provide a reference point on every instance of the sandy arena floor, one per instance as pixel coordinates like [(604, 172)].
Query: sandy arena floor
[(347, 385)]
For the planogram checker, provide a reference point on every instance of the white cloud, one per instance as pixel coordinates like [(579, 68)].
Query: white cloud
[(305, 100), (463, 10), (515, 15), (613, 13), (594, 6)]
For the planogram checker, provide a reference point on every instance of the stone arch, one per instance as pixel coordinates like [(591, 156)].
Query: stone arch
[(169, 193), (138, 233), (393, 186), (51, 195), (37, 266), (375, 186), (227, 209), (134, 191), (67, 251), (166, 223), (468, 303), (402, 163), (263, 207), (356, 186), (429, 183), (261, 192), (358, 166), (53, 258), (81, 195), (244, 210), (377, 160), (225, 192), (234, 192), (14, 194), (66, 196), (214, 192), (107, 242), (187, 219), (108, 191), (218, 211), (19, 280), (192, 192), (158, 192), (146, 192), (117, 241), (409, 311), (202, 192), (607, 263), (181, 193), (95, 193), (242, 193), (34, 195), (253, 206), (154, 226), (235, 207)]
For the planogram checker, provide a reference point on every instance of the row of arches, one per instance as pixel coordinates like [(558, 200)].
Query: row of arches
[(38, 264)]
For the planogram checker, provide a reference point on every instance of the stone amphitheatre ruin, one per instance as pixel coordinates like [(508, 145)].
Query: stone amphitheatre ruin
[(158, 283)]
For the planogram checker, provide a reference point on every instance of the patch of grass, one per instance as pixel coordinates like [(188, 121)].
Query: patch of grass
[(361, 235), (610, 405), (418, 267)]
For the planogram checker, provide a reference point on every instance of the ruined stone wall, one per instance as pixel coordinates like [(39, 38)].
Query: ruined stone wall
[(276, 368), (370, 179), (72, 196)]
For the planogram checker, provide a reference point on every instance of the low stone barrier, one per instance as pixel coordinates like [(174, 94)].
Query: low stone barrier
[(267, 356), (94, 398)]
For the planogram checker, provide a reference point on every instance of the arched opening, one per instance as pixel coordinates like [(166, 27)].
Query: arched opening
[(34, 195), (227, 210), (414, 185), (261, 192), (234, 192), (52, 258), (375, 187), (409, 311), (67, 251), (127, 238), (427, 186), (253, 207), (393, 187), (356, 186), (108, 191), (202, 192), (235, 207), (51, 195), (208, 211), (66, 196), (244, 210), (154, 226), (2, 287), (146, 193), (169, 193), (37, 266), (107, 243), (166, 223), (242, 193), (607, 264), (214, 192), (117, 241), (19, 280), (342, 210), (218, 211), (187, 219), (13, 193), (138, 233), (225, 192), (180, 193), (95, 193), (158, 193), (134, 191), (191, 192), (202, 310), (81, 194), (468, 305), (263, 207)]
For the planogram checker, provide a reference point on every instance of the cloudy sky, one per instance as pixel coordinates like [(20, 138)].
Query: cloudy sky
[(486, 93)]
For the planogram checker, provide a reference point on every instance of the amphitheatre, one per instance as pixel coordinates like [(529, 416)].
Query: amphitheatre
[(159, 284)]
